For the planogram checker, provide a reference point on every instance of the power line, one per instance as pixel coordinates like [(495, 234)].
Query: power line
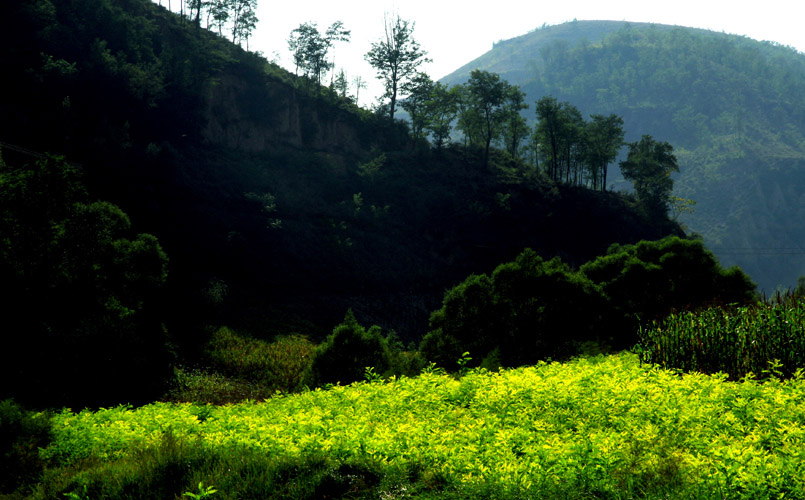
[(757, 251), (30, 152)]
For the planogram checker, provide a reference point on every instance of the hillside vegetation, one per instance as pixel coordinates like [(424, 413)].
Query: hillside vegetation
[(603, 427), (278, 203), (256, 289), (729, 104)]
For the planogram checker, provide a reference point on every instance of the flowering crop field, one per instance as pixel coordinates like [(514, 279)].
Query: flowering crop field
[(605, 421)]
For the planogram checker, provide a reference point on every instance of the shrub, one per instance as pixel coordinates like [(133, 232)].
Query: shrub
[(197, 386), (22, 433), (648, 280), (529, 309), (277, 365), (347, 352)]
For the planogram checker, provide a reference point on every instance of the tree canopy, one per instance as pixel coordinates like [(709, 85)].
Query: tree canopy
[(396, 57), (81, 288), (649, 166)]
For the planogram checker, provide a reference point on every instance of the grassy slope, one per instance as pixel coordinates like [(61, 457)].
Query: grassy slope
[(604, 426)]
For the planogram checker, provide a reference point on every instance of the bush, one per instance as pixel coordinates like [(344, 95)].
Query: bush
[(528, 310), (648, 280), (22, 433), (200, 387), (347, 352), (277, 365)]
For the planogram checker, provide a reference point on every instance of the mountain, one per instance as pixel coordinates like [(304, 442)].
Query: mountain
[(279, 204), (732, 108)]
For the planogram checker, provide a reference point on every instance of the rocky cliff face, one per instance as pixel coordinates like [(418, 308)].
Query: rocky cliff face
[(258, 116)]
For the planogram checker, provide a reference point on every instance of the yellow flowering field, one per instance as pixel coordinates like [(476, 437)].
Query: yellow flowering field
[(607, 420)]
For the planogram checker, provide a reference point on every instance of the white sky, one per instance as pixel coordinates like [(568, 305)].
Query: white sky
[(456, 32)]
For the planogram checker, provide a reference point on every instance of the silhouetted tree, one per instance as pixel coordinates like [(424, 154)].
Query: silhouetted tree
[(419, 90), (309, 48), (396, 57), (487, 94), (515, 128), (603, 136), (442, 109), (78, 293), (648, 166)]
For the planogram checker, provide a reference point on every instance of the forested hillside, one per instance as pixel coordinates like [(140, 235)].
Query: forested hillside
[(731, 106), (219, 279), (274, 203)]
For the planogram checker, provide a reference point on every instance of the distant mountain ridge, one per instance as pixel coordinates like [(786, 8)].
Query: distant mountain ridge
[(731, 106)]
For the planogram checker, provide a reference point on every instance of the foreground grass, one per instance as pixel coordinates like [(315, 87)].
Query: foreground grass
[(603, 427)]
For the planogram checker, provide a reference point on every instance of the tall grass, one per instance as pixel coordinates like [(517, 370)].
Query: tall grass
[(280, 364), (241, 368), (764, 339)]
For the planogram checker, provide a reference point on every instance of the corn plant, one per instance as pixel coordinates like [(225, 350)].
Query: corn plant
[(764, 339)]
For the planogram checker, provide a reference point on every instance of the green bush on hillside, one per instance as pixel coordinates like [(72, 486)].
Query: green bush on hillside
[(528, 310), (279, 364), (22, 434), (347, 352), (650, 279), (79, 291), (533, 309)]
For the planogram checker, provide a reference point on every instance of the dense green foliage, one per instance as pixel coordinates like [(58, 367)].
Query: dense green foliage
[(729, 105), (345, 354), (22, 435), (764, 339), (281, 204), (79, 293), (649, 166), (527, 310), (651, 279), (605, 427), (532, 309), (396, 57)]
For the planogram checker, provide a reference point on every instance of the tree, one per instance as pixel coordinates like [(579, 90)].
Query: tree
[(441, 108), (649, 279), (396, 57), (487, 94), (648, 166), (515, 128), (559, 139), (245, 20), (359, 83), (309, 48), (219, 9), (336, 33), (419, 90), (548, 132), (299, 44), (604, 138), (525, 311), (346, 353), (340, 84), (469, 118), (197, 6), (82, 290)]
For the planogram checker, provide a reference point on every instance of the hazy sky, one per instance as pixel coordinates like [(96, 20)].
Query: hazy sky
[(456, 32)]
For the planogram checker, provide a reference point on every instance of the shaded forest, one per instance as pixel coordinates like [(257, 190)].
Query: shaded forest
[(210, 189)]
